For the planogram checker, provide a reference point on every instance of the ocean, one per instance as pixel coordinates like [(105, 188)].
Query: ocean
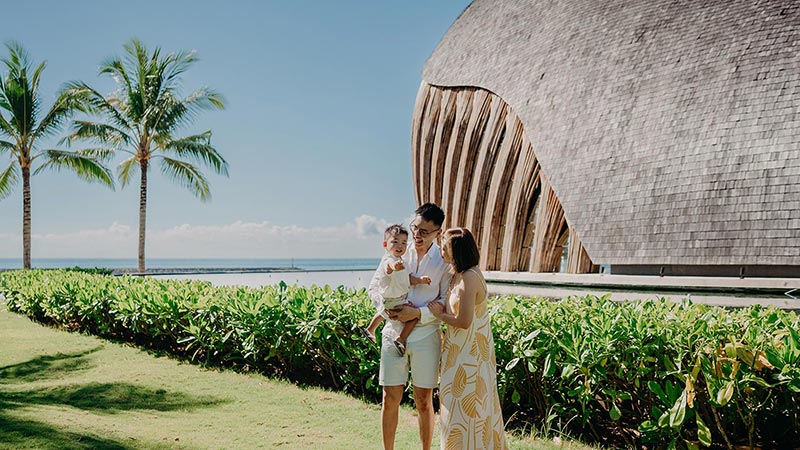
[(305, 264)]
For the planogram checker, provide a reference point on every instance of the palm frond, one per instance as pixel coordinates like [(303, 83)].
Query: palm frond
[(116, 68), (125, 168), (183, 112), (198, 148), (37, 73), (6, 127), (66, 104), (176, 64), (87, 168), (94, 102), (3, 100), (187, 176), (8, 178), (19, 96), (99, 132), (98, 154), (17, 58), (137, 59), (6, 146)]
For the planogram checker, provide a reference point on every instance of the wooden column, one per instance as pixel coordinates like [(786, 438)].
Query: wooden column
[(479, 118), (519, 212), (472, 156), (550, 222), (457, 146), (578, 261)]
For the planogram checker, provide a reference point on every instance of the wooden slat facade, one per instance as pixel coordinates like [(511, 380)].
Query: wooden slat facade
[(472, 157)]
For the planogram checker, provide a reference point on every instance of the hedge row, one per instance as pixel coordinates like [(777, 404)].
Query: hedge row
[(653, 373)]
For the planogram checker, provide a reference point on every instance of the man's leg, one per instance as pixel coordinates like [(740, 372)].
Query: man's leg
[(389, 412), (425, 355), (423, 398), (393, 377)]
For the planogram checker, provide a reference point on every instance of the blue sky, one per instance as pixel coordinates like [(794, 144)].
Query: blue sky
[(316, 132)]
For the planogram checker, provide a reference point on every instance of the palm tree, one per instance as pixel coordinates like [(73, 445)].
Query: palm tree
[(20, 110), (143, 117)]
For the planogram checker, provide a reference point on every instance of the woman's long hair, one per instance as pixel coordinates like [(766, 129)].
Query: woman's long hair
[(461, 245)]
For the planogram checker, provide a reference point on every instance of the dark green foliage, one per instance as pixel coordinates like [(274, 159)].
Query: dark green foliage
[(654, 373)]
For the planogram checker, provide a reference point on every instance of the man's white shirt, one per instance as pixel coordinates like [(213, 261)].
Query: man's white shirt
[(431, 265)]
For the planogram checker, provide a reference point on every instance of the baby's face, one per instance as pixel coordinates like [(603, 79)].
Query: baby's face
[(396, 245)]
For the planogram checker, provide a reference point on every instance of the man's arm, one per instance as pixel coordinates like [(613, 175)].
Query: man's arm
[(423, 313)]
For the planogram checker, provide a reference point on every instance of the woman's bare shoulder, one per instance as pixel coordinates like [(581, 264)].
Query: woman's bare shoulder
[(472, 276)]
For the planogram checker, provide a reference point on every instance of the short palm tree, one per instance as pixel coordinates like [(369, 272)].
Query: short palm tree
[(143, 117), (20, 125)]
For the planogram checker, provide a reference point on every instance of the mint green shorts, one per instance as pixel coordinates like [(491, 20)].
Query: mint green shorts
[(421, 358)]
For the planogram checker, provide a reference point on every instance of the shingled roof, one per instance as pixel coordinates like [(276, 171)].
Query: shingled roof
[(669, 130)]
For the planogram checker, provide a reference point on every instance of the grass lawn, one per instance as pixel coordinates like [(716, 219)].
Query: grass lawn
[(61, 390)]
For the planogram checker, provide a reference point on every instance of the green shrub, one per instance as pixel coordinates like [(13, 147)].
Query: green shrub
[(653, 373)]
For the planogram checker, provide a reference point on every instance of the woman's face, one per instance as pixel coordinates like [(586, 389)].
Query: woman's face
[(446, 255)]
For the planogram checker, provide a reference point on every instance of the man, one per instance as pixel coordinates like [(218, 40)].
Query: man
[(423, 347)]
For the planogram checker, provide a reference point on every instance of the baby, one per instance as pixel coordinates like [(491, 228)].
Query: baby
[(395, 281)]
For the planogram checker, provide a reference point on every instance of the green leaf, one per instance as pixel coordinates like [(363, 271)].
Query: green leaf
[(678, 411), (656, 389), (8, 178), (663, 421), (549, 367), (86, 167), (515, 397), (187, 176), (703, 433), (615, 413), (512, 363), (724, 395)]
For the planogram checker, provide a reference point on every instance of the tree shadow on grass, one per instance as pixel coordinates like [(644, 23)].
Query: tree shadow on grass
[(47, 367), (108, 398), (27, 434), (99, 398)]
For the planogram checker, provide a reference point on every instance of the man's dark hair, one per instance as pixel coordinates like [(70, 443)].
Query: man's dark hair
[(394, 230), (431, 213)]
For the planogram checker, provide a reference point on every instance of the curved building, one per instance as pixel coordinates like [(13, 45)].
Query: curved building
[(646, 136)]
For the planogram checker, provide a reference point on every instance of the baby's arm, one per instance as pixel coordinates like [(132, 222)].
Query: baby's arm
[(394, 266), (418, 280)]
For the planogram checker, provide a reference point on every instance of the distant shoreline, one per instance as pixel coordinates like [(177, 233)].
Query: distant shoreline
[(208, 270)]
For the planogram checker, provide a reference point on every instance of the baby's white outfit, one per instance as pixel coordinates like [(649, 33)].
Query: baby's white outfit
[(393, 287)]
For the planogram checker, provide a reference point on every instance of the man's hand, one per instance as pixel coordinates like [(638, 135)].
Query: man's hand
[(404, 313), (414, 281)]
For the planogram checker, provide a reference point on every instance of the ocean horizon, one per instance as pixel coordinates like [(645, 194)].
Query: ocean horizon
[(310, 264)]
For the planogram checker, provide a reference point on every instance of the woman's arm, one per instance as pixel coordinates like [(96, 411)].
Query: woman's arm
[(464, 293)]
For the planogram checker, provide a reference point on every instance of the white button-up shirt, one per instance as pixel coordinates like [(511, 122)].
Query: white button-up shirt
[(431, 265)]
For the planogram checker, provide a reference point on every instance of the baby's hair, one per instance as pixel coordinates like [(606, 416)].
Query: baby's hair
[(394, 230)]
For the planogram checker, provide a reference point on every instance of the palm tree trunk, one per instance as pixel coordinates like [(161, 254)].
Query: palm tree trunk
[(142, 214), (26, 217)]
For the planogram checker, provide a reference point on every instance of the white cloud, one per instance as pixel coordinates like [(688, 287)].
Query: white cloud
[(359, 238), (370, 226)]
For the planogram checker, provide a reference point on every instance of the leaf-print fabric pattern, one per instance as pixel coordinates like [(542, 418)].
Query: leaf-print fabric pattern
[(470, 414)]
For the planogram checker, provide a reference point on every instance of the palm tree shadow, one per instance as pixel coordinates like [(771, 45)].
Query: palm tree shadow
[(47, 367), (20, 433), (99, 398), (109, 398)]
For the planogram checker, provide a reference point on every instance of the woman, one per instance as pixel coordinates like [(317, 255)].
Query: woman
[(470, 414)]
